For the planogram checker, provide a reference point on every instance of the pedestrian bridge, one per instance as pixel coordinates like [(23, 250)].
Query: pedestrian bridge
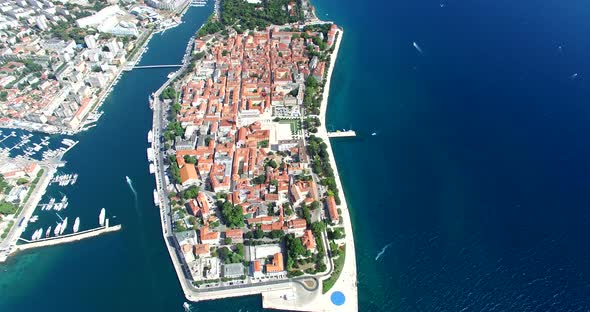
[(157, 66), (130, 66)]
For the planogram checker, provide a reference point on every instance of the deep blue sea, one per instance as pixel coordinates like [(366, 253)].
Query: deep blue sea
[(474, 187)]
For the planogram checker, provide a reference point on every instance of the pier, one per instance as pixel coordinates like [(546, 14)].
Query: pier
[(51, 241), (342, 134)]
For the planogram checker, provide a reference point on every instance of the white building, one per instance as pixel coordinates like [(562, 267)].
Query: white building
[(100, 17), (41, 22), (90, 41), (166, 4)]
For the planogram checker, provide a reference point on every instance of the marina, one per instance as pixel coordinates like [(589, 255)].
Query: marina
[(198, 3), (24, 145), (65, 179)]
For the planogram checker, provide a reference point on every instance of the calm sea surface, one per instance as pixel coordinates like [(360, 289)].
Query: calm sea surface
[(474, 187)]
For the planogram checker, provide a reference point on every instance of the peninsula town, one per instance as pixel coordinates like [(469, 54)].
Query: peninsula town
[(250, 197)]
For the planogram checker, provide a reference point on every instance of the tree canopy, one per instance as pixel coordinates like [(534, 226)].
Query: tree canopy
[(233, 215)]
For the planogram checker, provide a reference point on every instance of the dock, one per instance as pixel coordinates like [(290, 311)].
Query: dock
[(341, 134), (51, 241)]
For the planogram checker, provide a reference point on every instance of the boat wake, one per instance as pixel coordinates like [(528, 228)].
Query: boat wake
[(382, 251), (417, 47), (130, 183)]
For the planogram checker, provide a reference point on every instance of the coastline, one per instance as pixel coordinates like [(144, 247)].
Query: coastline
[(347, 281), (349, 274)]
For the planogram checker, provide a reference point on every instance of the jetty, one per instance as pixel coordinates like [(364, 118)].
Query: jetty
[(74, 237), (342, 134)]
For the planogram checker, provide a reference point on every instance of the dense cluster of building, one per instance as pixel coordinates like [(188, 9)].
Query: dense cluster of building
[(57, 60), (235, 150), (16, 181), (14, 175)]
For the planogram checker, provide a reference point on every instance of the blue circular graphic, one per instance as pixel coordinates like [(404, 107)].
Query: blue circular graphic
[(338, 298)]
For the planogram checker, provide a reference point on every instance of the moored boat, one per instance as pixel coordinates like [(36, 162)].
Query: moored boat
[(156, 198), (57, 229), (101, 217), (64, 225), (76, 224)]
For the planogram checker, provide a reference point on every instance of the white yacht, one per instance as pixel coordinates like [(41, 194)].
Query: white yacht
[(64, 224), (76, 224), (101, 217)]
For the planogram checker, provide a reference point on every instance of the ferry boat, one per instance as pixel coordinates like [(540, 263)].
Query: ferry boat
[(76, 224), (152, 168), (156, 198), (101, 217), (150, 136), (48, 232)]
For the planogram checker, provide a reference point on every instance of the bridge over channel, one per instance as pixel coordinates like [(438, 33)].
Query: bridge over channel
[(158, 66), (130, 66)]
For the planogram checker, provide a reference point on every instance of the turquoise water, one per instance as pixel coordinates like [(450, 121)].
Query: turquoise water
[(471, 196)]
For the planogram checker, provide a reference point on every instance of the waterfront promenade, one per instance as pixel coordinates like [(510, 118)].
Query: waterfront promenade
[(347, 282)]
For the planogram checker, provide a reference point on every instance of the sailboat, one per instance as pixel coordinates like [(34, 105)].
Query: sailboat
[(57, 229), (76, 224), (101, 217), (64, 224)]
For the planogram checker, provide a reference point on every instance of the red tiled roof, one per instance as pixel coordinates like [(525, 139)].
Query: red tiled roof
[(332, 209)]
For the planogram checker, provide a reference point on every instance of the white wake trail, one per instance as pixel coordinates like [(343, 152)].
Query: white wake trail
[(130, 183), (382, 251), (417, 47)]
